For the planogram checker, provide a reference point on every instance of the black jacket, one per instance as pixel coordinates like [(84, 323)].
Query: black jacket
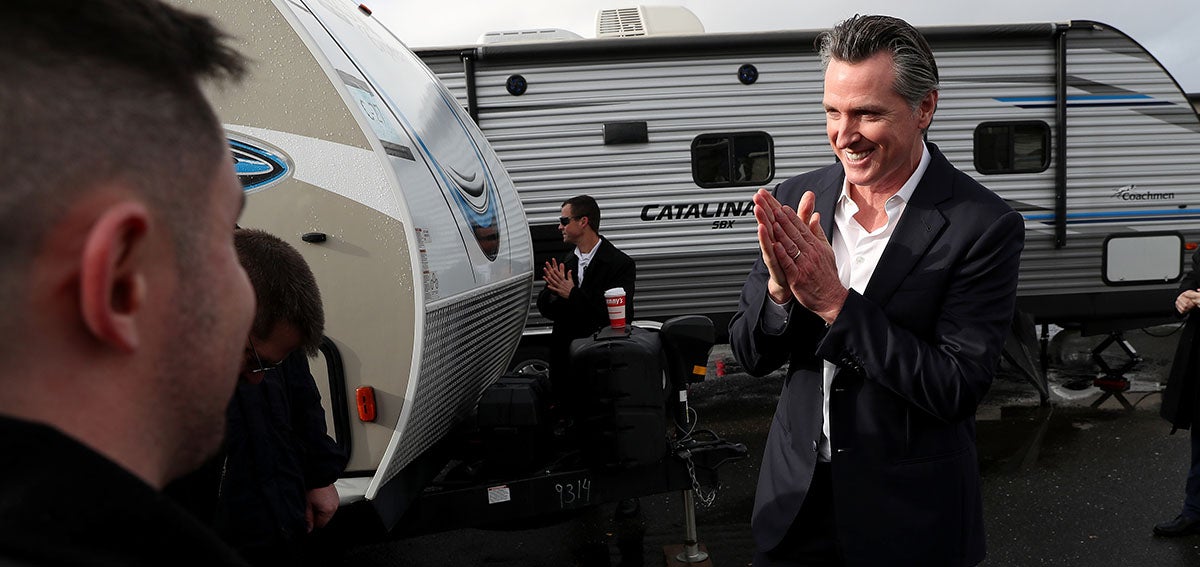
[(62, 503), (916, 352), (585, 311), (1180, 399), (276, 449)]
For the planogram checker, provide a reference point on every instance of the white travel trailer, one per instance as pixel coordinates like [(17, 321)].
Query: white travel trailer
[(349, 147), (351, 150), (1074, 124)]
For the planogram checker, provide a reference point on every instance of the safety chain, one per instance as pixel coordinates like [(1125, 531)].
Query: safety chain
[(705, 497)]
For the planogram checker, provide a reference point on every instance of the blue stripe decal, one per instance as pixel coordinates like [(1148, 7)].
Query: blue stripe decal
[(1085, 101), (1090, 98), (1110, 216)]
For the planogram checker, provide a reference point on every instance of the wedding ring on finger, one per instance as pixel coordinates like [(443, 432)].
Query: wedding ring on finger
[(796, 255)]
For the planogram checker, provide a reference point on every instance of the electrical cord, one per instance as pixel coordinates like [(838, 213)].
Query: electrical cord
[(1177, 326), (1144, 396)]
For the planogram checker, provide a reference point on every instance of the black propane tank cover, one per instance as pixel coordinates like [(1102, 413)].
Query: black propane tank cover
[(616, 391)]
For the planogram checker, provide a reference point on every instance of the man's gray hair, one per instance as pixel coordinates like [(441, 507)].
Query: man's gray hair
[(858, 38)]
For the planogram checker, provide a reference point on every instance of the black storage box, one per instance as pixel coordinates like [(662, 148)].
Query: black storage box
[(621, 396), (510, 420)]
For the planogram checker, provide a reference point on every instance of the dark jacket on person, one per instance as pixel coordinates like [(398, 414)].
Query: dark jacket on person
[(1181, 397), (915, 352), (276, 449), (61, 503), (585, 311)]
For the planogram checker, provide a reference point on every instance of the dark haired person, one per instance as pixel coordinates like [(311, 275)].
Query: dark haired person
[(575, 284), (887, 284), (272, 484), (125, 307)]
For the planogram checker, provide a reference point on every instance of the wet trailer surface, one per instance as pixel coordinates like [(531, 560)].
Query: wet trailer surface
[(1067, 484)]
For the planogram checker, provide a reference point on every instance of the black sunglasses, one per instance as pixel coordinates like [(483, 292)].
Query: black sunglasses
[(567, 220)]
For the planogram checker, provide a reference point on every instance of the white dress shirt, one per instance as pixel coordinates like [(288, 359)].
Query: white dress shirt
[(857, 253), (585, 259)]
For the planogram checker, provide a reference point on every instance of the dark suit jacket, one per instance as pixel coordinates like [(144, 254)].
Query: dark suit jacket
[(1181, 399), (585, 311), (915, 354)]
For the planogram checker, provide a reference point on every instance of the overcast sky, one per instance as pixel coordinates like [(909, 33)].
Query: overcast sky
[(1169, 29)]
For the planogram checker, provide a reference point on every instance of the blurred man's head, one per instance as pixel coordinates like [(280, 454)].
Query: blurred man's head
[(119, 279), (289, 314)]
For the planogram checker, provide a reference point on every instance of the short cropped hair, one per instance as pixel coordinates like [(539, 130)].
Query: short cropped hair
[(585, 206), (284, 287), (858, 38), (101, 91)]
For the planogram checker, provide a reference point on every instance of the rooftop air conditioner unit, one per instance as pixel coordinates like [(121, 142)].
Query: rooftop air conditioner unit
[(646, 20)]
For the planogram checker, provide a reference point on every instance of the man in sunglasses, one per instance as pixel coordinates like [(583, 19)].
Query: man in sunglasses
[(273, 483), (574, 294)]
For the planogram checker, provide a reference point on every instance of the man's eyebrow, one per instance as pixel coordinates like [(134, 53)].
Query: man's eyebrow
[(866, 109)]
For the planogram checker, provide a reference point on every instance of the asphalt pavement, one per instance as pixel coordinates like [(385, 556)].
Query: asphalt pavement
[(1064, 483)]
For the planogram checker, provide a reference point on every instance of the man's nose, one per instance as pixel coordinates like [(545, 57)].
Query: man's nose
[(845, 133)]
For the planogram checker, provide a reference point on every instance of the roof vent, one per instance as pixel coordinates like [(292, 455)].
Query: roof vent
[(542, 34), (646, 20)]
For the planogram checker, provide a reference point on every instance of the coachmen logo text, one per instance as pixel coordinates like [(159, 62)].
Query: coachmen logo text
[(682, 211), (1131, 193)]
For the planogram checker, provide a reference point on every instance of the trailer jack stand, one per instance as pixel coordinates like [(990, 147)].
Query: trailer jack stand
[(1112, 381), (691, 552)]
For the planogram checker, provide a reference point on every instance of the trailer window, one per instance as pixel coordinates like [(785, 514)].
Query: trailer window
[(732, 160), (1012, 147)]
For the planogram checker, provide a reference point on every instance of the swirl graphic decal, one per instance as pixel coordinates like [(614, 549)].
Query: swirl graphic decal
[(470, 182), (258, 167)]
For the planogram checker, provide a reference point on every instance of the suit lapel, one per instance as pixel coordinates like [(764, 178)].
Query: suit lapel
[(596, 265), (571, 261), (919, 226), (826, 200)]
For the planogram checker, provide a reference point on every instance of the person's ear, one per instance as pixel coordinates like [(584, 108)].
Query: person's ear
[(926, 108), (112, 278)]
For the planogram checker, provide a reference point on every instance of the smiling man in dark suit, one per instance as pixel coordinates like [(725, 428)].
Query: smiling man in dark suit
[(574, 294), (891, 327)]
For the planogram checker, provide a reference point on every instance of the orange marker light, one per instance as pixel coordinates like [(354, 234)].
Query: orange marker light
[(366, 403), (1189, 246)]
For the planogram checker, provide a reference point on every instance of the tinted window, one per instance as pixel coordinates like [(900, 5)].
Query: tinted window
[(1012, 147), (731, 160)]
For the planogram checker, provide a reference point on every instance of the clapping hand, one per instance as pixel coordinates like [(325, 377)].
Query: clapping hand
[(1187, 300), (558, 278), (798, 256)]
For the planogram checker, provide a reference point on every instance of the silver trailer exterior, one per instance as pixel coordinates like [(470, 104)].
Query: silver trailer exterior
[(1075, 125), (351, 149)]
